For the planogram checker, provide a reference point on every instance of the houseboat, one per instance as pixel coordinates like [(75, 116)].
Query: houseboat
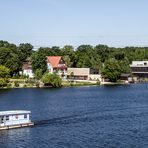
[(15, 119)]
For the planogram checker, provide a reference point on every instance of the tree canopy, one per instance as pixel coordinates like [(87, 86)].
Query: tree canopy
[(4, 75), (87, 56)]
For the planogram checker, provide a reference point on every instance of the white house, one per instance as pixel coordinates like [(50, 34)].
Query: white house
[(27, 69)]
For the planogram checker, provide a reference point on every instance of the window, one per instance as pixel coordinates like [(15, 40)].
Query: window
[(145, 63), (16, 116), (7, 118), (25, 116)]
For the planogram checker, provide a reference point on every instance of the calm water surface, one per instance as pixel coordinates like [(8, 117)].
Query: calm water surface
[(79, 117)]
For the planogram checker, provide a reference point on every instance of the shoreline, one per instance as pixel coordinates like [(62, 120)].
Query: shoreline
[(73, 85)]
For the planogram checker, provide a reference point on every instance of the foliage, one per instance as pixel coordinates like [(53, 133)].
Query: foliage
[(111, 70), (13, 57), (38, 74), (4, 72), (16, 84), (84, 56), (4, 75), (68, 54), (52, 80), (25, 51), (9, 59)]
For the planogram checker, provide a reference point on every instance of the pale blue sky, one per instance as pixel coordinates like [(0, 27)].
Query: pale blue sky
[(58, 22)]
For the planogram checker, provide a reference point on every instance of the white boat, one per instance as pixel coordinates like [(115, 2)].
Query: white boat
[(15, 119)]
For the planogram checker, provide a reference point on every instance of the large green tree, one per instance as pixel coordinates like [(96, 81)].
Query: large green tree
[(9, 59), (24, 51), (111, 70), (68, 54), (87, 57)]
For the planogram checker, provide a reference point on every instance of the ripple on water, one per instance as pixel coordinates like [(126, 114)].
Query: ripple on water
[(98, 117)]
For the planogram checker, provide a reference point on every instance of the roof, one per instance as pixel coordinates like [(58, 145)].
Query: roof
[(27, 66), (14, 112), (54, 60), (78, 71), (125, 74)]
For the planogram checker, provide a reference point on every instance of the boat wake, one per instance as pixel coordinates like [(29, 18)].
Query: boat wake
[(58, 120), (89, 116)]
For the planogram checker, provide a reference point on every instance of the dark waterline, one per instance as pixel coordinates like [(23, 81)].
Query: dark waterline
[(85, 117)]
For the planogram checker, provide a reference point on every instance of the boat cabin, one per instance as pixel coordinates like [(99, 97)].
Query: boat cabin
[(17, 117)]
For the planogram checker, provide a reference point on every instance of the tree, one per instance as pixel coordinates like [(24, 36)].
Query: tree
[(24, 51), (4, 75), (111, 70), (9, 59), (84, 56), (38, 74), (56, 50), (102, 51), (67, 60), (52, 80), (39, 59), (68, 55)]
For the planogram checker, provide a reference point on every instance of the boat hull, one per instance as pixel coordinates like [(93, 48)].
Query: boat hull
[(16, 126)]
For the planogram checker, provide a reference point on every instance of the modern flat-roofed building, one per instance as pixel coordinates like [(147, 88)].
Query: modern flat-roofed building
[(140, 69), (83, 74)]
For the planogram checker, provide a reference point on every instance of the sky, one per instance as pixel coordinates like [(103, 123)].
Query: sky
[(43, 23)]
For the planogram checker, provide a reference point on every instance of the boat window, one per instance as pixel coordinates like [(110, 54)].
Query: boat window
[(25, 116), (16, 116), (7, 117), (1, 119)]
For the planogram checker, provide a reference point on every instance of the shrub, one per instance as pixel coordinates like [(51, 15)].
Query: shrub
[(16, 84), (51, 80)]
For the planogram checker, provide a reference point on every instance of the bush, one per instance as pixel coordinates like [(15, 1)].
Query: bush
[(16, 84), (51, 80), (3, 82)]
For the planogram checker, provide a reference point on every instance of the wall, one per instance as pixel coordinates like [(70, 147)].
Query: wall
[(13, 120)]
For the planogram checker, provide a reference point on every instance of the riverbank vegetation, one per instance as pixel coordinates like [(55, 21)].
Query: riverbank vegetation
[(110, 61)]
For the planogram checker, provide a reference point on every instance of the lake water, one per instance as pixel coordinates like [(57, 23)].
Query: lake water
[(79, 117)]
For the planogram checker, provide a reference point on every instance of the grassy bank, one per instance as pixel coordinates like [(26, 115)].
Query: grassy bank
[(31, 83), (68, 83)]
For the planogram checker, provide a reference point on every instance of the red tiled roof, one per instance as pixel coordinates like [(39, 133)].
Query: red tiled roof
[(54, 60)]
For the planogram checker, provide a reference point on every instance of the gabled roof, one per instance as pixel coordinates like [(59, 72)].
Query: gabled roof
[(26, 66), (54, 60)]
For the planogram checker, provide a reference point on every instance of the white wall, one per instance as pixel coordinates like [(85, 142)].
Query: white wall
[(14, 121), (95, 77), (139, 63), (28, 72)]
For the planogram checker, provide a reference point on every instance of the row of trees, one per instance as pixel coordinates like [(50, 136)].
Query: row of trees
[(12, 56), (110, 61)]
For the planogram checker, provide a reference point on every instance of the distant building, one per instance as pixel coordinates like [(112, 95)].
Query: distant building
[(83, 74), (57, 64), (27, 69), (140, 69)]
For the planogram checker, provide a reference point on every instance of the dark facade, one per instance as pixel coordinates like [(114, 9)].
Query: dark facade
[(139, 70)]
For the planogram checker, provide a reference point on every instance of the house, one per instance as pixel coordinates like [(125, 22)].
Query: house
[(139, 69), (83, 74), (27, 68), (57, 64)]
